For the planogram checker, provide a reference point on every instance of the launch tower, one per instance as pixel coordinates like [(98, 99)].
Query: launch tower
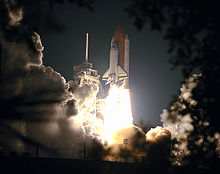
[(84, 73)]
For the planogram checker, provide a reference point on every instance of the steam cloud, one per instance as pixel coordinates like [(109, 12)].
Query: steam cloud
[(146, 148), (179, 121), (181, 125), (35, 99)]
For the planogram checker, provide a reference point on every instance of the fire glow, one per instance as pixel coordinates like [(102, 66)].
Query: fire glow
[(117, 112), (116, 115)]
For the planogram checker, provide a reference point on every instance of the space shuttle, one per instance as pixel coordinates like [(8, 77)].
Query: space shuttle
[(118, 72)]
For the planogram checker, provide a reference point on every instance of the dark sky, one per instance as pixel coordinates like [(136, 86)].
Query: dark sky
[(151, 81)]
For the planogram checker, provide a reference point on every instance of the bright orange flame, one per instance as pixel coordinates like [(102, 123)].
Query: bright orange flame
[(116, 113)]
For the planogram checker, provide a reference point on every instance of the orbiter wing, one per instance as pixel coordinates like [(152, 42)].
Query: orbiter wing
[(106, 75), (122, 72)]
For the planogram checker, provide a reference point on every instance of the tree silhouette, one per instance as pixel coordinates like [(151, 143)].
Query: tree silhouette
[(38, 14), (194, 139), (192, 30)]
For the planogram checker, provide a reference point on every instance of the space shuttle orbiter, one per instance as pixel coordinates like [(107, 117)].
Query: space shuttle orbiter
[(118, 71), (115, 74)]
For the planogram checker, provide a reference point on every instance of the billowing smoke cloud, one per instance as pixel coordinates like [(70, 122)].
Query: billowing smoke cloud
[(133, 145), (35, 99), (37, 102), (179, 123), (158, 134), (123, 143), (184, 117), (30, 90)]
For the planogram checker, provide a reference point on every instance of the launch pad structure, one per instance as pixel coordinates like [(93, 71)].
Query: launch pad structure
[(118, 72), (84, 73)]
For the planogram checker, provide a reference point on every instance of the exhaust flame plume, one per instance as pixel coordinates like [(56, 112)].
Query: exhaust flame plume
[(116, 114)]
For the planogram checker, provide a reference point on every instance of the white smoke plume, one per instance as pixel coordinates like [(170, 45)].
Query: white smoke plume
[(179, 120), (181, 125), (157, 134), (35, 100)]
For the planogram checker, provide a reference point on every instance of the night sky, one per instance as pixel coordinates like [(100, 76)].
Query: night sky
[(44, 113), (152, 82)]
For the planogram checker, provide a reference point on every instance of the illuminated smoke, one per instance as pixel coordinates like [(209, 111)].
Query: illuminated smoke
[(122, 141), (35, 99), (86, 111), (157, 134), (129, 145), (115, 112), (180, 125), (179, 120)]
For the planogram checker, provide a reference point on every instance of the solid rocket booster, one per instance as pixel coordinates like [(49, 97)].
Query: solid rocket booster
[(126, 60), (118, 71)]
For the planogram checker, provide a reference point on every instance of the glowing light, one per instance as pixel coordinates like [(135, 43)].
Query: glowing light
[(157, 133), (116, 114)]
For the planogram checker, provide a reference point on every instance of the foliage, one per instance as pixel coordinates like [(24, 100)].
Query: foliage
[(192, 30), (38, 14), (194, 139)]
